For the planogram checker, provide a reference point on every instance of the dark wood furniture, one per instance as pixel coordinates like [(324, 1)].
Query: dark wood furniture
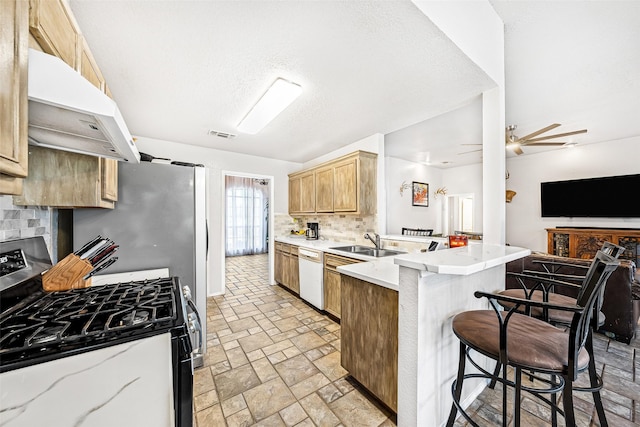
[(585, 242)]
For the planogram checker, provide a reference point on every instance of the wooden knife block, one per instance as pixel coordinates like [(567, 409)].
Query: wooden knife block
[(67, 274)]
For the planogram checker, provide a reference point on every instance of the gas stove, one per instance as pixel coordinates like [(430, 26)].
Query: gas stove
[(132, 338), (47, 324)]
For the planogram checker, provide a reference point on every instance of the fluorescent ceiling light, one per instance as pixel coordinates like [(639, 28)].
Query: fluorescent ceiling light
[(276, 98)]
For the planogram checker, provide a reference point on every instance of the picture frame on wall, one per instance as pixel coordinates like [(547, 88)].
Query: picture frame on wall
[(420, 192)]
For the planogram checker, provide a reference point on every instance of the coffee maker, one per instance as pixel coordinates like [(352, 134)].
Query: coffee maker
[(312, 231)]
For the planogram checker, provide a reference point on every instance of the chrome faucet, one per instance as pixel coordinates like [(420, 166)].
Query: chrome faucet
[(376, 241)]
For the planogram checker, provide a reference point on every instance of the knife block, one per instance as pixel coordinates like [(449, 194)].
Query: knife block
[(67, 274)]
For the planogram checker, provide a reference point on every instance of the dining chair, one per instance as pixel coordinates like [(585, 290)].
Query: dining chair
[(553, 356)]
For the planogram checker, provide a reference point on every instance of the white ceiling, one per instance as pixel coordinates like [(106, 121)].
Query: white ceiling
[(181, 68)]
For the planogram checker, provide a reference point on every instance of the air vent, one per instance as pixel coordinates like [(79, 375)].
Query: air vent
[(224, 135)]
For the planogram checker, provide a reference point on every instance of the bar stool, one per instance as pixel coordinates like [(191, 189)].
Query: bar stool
[(552, 355)]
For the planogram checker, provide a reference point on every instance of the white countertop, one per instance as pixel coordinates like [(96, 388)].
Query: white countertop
[(325, 246), (464, 260), (382, 272), (386, 271)]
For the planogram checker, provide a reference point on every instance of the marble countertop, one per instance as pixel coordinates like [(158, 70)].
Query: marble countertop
[(383, 272), (464, 260), (386, 271), (325, 246)]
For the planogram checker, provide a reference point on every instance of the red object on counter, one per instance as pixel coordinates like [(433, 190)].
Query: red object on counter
[(457, 241)]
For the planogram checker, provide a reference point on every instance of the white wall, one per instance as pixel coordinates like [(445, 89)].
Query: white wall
[(459, 180), (218, 161), (400, 211), (525, 226)]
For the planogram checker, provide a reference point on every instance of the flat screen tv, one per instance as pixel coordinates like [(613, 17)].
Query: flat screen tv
[(606, 197)]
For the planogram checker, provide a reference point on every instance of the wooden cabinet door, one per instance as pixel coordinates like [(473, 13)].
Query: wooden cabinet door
[(345, 198), (88, 66), (308, 193), (278, 271), (294, 195), (53, 26), (294, 273), (14, 54), (109, 179), (324, 190), (369, 337), (332, 292)]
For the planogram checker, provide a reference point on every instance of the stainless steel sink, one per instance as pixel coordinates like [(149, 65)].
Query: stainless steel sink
[(353, 248), (365, 250)]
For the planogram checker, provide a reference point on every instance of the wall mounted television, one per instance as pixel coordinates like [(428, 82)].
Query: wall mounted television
[(606, 197)]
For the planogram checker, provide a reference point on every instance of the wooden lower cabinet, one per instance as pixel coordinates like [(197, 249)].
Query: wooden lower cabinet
[(332, 282), (369, 337), (286, 266)]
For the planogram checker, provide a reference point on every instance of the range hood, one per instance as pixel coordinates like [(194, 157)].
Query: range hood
[(67, 112)]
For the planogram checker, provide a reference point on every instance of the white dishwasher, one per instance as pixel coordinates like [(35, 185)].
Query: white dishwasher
[(311, 273)]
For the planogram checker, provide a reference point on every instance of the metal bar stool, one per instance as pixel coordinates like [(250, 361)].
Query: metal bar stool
[(554, 356)]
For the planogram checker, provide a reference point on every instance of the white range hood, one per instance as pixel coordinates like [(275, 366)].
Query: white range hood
[(67, 112)]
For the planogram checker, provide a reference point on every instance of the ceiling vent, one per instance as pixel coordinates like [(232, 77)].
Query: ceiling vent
[(224, 135)]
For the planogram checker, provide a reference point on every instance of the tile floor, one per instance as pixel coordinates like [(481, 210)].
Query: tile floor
[(273, 360)]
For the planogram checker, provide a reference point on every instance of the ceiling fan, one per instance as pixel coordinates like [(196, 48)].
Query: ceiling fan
[(516, 143)]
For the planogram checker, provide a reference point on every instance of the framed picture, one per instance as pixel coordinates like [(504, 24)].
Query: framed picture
[(420, 194)]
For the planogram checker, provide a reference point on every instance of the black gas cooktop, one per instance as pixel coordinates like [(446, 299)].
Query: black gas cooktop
[(51, 323)]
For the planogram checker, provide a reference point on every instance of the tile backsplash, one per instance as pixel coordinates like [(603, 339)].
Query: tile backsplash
[(340, 228), (17, 222)]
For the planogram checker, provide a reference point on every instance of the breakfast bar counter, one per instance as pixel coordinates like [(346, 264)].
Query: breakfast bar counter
[(432, 288)]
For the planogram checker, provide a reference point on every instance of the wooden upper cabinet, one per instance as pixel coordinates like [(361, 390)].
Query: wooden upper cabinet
[(302, 193), (345, 197), (88, 67), (345, 185), (53, 26), (14, 43), (61, 178), (324, 190), (79, 186), (308, 193), (294, 195), (109, 179)]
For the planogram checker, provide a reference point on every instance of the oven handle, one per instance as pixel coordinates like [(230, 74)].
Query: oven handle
[(195, 325)]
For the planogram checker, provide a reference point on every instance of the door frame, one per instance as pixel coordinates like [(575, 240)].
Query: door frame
[(223, 203)]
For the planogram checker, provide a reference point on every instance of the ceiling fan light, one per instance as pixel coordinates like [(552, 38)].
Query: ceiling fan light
[(278, 97)]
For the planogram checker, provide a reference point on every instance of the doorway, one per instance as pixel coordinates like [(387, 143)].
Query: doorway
[(247, 230), (458, 213)]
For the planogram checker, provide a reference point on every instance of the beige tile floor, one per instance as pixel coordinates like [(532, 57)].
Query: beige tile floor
[(273, 360)]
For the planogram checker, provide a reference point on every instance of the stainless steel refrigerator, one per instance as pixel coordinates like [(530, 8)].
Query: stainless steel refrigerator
[(159, 221)]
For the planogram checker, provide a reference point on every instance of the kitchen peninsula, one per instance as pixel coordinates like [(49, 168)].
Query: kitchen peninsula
[(431, 288)]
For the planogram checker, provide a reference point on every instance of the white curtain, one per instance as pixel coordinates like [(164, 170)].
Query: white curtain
[(247, 215)]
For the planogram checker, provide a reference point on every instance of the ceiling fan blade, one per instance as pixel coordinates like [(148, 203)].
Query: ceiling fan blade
[(557, 135), (538, 132), (468, 152), (541, 144), (515, 147)]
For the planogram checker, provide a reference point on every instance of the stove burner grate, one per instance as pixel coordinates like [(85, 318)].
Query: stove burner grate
[(83, 315)]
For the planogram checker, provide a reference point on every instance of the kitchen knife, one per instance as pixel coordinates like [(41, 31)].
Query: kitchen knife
[(103, 254), (88, 245), (96, 248), (102, 266)]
